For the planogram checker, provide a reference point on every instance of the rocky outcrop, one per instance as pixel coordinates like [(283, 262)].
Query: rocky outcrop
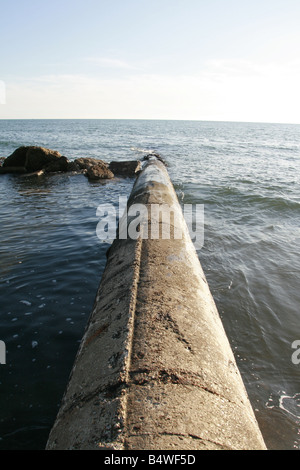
[(74, 167), (126, 168), (33, 160), (85, 163), (60, 164), (94, 169), (98, 169), (97, 172), (17, 158), (12, 169)]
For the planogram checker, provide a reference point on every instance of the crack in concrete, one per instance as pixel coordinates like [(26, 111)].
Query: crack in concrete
[(188, 435), (173, 376), (143, 377), (175, 328)]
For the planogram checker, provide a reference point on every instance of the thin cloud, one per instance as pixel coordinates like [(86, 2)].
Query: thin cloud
[(223, 90), (107, 62), (2, 92)]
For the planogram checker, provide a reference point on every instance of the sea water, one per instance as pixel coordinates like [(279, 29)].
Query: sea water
[(247, 175)]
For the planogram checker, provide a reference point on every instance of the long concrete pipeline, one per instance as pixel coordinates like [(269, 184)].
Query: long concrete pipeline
[(155, 370)]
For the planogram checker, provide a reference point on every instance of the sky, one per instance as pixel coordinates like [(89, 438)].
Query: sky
[(216, 60)]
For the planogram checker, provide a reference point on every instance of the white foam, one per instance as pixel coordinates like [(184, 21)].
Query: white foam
[(290, 404)]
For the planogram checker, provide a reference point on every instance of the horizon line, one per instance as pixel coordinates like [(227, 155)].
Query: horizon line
[(150, 119)]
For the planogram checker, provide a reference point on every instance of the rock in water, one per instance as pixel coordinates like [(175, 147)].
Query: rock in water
[(60, 164), (39, 158), (99, 171), (73, 167), (126, 168), (86, 163), (35, 158), (94, 169), (31, 160), (17, 158)]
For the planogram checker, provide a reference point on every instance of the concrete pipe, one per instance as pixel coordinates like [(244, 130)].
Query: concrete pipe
[(154, 370)]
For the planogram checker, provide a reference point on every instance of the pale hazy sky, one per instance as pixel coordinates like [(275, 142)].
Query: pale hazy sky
[(232, 60)]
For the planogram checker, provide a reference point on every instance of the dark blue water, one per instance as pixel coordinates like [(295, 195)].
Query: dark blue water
[(247, 177)]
